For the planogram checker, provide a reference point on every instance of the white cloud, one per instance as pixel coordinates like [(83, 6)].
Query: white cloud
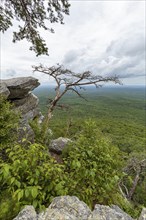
[(101, 36)]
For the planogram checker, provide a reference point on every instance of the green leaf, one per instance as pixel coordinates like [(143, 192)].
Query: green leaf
[(116, 178), (89, 153), (12, 180), (6, 168), (17, 183), (37, 172), (31, 180), (35, 203), (58, 187), (20, 194), (34, 192), (78, 164), (50, 187), (27, 192), (24, 139)]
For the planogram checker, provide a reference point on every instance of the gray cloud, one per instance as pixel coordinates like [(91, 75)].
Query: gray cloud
[(128, 55), (10, 73), (124, 57), (103, 37), (130, 46), (73, 55)]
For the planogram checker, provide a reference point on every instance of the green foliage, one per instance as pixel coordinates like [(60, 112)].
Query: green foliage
[(119, 113), (93, 166), (41, 131), (9, 207), (8, 125), (33, 15), (135, 170), (127, 206), (31, 176), (91, 170)]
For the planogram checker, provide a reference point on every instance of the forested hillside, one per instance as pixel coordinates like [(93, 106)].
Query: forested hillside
[(104, 162), (118, 111)]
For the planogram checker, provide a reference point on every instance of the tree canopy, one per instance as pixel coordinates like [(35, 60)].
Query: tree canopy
[(33, 15)]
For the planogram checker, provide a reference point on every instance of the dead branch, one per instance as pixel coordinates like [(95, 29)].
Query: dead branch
[(67, 80)]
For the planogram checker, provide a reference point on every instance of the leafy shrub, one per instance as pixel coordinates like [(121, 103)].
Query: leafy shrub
[(127, 206), (91, 169), (9, 207), (93, 166), (31, 176), (8, 124)]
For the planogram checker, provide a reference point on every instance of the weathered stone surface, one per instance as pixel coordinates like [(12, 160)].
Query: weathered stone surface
[(24, 129), (102, 212), (28, 213), (66, 208), (143, 214), (4, 90), (71, 208), (118, 210), (31, 115), (18, 91), (56, 214), (20, 87), (26, 104), (58, 145), (25, 132)]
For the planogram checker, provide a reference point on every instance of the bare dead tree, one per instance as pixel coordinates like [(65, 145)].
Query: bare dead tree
[(135, 169), (66, 80)]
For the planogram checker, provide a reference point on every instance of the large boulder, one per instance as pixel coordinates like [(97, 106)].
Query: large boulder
[(61, 208), (71, 208), (25, 129), (4, 90), (28, 213), (67, 208), (58, 145), (26, 104), (21, 86), (32, 114), (102, 212), (18, 92)]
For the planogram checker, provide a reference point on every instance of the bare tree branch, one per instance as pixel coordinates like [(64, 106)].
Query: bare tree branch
[(67, 80), (134, 170)]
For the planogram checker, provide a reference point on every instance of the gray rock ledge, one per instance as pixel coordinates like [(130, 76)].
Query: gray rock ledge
[(20, 87), (71, 208)]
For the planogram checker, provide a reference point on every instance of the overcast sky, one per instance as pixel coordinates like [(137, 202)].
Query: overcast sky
[(106, 37)]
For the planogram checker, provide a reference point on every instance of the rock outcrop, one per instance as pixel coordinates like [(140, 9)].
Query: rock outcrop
[(18, 91), (143, 214), (21, 86), (71, 208), (4, 90), (101, 212), (28, 213), (67, 208), (57, 145)]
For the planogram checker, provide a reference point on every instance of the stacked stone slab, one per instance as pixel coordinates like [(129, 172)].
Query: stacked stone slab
[(18, 91)]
